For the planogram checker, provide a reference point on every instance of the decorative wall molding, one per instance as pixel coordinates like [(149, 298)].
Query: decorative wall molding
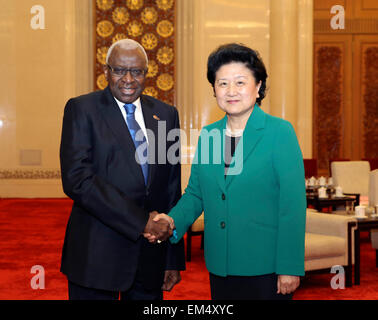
[(22, 174), (352, 26)]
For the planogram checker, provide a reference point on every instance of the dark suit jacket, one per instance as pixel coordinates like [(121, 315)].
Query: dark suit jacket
[(103, 246)]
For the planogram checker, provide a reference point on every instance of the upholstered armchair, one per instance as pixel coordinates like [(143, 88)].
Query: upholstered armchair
[(352, 177), (329, 242)]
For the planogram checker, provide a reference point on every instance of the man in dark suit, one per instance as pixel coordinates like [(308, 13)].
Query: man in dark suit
[(106, 137)]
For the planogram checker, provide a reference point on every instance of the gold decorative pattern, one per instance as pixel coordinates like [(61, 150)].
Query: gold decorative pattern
[(151, 91), (102, 83), (165, 28), (153, 69), (119, 36), (149, 15), (165, 55), (165, 82), (105, 4), (164, 4), (134, 4), (134, 29), (101, 55), (120, 15), (29, 174), (149, 41), (105, 28), (152, 24)]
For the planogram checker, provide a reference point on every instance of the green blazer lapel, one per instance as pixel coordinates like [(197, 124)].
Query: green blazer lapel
[(252, 134), (253, 131), (217, 151)]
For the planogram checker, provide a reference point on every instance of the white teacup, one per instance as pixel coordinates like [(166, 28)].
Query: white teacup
[(360, 211), (339, 191), (322, 192), (322, 181), (312, 181)]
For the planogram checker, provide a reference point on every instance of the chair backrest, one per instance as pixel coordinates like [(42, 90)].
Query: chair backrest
[(311, 167), (351, 176), (373, 163), (333, 160), (373, 188)]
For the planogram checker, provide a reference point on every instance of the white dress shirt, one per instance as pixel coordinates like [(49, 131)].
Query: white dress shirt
[(138, 114)]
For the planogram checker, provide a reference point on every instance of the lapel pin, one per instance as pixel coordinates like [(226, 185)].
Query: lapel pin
[(156, 117)]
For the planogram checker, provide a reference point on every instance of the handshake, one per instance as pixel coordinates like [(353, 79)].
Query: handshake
[(159, 227)]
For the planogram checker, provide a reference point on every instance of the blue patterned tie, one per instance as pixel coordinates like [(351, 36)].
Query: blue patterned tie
[(134, 128)]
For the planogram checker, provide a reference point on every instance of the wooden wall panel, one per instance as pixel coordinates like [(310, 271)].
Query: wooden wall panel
[(365, 8), (325, 5)]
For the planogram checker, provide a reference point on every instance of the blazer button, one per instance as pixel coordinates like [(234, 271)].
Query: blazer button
[(223, 196), (223, 225)]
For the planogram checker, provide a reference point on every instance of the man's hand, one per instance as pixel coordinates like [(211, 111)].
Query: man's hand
[(287, 284), (163, 216), (171, 277), (159, 229), (159, 217)]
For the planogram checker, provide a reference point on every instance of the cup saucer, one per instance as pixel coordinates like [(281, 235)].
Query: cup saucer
[(360, 217)]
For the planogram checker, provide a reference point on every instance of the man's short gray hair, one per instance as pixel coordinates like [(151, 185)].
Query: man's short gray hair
[(127, 44)]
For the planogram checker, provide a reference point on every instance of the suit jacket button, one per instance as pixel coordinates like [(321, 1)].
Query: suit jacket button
[(223, 196), (223, 225)]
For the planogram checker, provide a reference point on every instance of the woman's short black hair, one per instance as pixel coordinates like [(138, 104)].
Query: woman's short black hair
[(234, 52)]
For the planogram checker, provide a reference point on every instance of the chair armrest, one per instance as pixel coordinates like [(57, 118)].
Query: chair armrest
[(328, 224), (357, 195)]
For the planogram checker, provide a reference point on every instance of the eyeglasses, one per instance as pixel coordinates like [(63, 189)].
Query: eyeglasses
[(135, 73)]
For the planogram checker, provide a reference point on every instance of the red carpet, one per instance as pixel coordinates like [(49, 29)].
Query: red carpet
[(32, 232)]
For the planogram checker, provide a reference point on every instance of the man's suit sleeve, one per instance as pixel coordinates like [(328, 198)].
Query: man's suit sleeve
[(175, 252), (80, 182)]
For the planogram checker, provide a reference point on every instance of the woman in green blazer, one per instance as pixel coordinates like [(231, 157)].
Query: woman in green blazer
[(248, 179)]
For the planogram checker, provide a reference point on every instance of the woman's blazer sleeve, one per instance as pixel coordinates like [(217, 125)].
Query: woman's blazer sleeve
[(190, 206), (289, 170)]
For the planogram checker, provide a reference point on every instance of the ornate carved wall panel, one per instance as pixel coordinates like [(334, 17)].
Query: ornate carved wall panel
[(151, 23), (329, 92), (366, 88), (370, 96)]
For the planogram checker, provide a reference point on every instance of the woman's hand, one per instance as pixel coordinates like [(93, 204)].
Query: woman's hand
[(165, 217), (287, 284), (152, 238)]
